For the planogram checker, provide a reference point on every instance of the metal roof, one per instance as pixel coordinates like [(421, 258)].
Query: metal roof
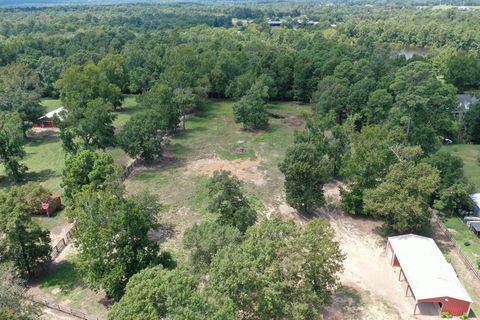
[(475, 226), (476, 198), (427, 271), (52, 113)]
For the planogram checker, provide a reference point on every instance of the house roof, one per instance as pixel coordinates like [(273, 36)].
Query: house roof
[(475, 226), (427, 271), (476, 198), (52, 113), (466, 100)]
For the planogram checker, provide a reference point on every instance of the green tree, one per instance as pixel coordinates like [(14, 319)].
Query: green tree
[(472, 123), (111, 234), (161, 100), (19, 92), (250, 110), (14, 302), (402, 198), (204, 240), (228, 201), (423, 105), (280, 271), (142, 136), (331, 97), (379, 104), (11, 144), (80, 84), (157, 293), (306, 168), (95, 127), (450, 168), (23, 243), (463, 70), (88, 169), (365, 165)]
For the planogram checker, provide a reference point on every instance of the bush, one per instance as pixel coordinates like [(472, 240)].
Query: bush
[(446, 315)]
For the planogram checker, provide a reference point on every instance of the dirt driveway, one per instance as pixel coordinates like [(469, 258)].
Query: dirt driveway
[(370, 287)]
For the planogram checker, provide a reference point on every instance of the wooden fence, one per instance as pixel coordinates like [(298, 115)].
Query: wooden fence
[(470, 265), (129, 169), (72, 312), (58, 248)]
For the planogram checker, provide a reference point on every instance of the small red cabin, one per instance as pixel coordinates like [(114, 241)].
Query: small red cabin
[(46, 121), (50, 205)]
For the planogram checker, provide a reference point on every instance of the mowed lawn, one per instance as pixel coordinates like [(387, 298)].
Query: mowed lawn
[(213, 141), (45, 158), (470, 154)]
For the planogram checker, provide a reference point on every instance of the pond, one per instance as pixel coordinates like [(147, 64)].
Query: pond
[(409, 52)]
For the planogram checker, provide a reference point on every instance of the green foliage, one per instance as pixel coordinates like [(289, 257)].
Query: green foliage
[(204, 240), (366, 164), (472, 123), (111, 234), (19, 92), (95, 128), (306, 168), (463, 71), (14, 303), (402, 198), (446, 315), (157, 293), (80, 84), (89, 170), (142, 136), (229, 203), (423, 105), (11, 144), (379, 104), (331, 97), (23, 243), (160, 99), (260, 276), (250, 110)]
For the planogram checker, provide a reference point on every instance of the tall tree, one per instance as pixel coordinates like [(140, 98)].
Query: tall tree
[(20, 93), (366, 164), (11, 144), (88, 169), (23, 243), (402, 198), (331, 97), (423, 105), (250, 110), (14, 302), (111, 234), (204, 240), (142, 136), (472, 123), (307, 168), (280, 270), (161, 100), (228, 201), (157, 293)]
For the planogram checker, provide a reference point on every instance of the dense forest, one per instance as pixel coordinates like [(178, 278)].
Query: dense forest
[(376, 123)]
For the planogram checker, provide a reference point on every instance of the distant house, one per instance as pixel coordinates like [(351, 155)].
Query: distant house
[(46, 121), (274, 23), (464, 103), (476, 204)]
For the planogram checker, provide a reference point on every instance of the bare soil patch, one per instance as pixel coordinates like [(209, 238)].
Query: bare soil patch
[(243, 169), (293, 122)]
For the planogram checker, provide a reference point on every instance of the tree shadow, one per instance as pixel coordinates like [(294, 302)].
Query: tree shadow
[(164, 232), (64, 275), (39, 176)]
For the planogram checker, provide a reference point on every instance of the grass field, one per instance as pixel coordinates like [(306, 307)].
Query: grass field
[(45, 157), (462, 234), (212, 142), (51, 104), (470, 154)]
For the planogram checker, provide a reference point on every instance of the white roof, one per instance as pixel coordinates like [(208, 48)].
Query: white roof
[(476, 198), (52, 113), (427, 271)]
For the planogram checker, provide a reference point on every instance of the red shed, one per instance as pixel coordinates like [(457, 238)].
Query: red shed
[(430, 278), (46, 121), (50, 205)]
